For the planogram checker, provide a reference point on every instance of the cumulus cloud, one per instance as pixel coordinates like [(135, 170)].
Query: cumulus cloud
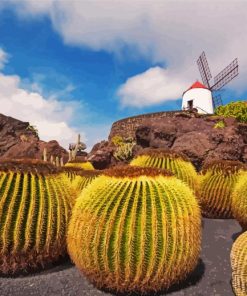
[(172, 32), (49, 115), (151, 87)]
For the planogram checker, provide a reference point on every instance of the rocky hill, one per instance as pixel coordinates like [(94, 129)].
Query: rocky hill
[(202, 138), (19, 139)]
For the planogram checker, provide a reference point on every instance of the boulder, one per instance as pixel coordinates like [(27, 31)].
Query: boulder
[(19, 140)]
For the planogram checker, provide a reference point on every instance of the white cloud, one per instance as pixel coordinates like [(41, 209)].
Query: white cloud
[(3, 58), (174, 32), (49, 116), (151, 87)]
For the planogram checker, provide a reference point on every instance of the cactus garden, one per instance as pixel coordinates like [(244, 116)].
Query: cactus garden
[(135, 229)]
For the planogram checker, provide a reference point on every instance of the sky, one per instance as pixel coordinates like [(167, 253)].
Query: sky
[(76, 66)]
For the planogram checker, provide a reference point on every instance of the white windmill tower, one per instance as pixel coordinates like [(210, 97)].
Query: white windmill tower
[(204, 97)]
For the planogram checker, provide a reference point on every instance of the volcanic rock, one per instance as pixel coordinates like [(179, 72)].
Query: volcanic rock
[(19, 140), (196, 136)]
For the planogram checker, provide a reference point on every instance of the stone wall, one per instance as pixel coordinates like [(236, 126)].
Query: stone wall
[(126, 127)]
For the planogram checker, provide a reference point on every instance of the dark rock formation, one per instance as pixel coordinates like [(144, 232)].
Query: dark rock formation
[(101, 155), (191, 134), (18, 140), (196, 137)]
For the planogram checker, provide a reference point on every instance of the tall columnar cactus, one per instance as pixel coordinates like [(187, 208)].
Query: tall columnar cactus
[(35, 207), (177, 163), (86, 165), (239, 265), (239, 201), (135, 229), (83, 178), (219, 179)]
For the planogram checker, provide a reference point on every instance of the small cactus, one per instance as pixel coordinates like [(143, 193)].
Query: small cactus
[(35, 206), (239, 201), (172, 161), (239, 265), (219, 179), (135, 230), (57, 161), (45, 154)]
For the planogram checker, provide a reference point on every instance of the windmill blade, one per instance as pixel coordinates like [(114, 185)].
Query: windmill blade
[(204, 69), (226, 75), (217, 101)]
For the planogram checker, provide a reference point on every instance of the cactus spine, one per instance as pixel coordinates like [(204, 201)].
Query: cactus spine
[(35, 208), (83, 178), (177, 163), (239, 265), (135, 230), (239, 201), (217, 186)]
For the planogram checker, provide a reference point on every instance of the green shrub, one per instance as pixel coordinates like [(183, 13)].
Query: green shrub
[(237, 110), (219, 124)]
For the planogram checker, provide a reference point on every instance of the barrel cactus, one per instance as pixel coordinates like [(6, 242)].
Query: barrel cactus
[(86, 165), (219, 179), (239, 265), (70, 172), (35, 206), (239, 201), (172, 161), (83, 178), (135, 230)]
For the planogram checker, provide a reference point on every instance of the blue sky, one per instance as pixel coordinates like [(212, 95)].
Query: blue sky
[(87, 71)]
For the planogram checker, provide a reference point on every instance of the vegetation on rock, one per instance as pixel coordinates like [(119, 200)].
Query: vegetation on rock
[(219, 124), (234, 109)]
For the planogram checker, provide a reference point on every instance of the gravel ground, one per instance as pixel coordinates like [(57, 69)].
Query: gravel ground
[(211, 278)]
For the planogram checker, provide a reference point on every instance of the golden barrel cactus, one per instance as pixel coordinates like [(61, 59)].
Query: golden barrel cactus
[(83, 178), (169, 160), (85, 165), (218, 181), (35, 207), (135, 230), (239, 265), (70, 172), (239, 201)]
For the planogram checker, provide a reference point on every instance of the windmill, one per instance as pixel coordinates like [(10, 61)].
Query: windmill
[(205, 97), (220, 80)]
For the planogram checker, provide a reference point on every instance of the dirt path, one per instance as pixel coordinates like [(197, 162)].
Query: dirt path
[(211, 277)]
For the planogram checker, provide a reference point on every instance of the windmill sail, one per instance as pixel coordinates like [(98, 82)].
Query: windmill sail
[(217, 101), (226, 75), (204, 69)]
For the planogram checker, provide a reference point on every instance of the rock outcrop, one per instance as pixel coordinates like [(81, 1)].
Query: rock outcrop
[(196, 136), (19, 140)]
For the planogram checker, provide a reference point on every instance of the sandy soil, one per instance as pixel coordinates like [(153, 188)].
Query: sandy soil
[(212, 276)]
